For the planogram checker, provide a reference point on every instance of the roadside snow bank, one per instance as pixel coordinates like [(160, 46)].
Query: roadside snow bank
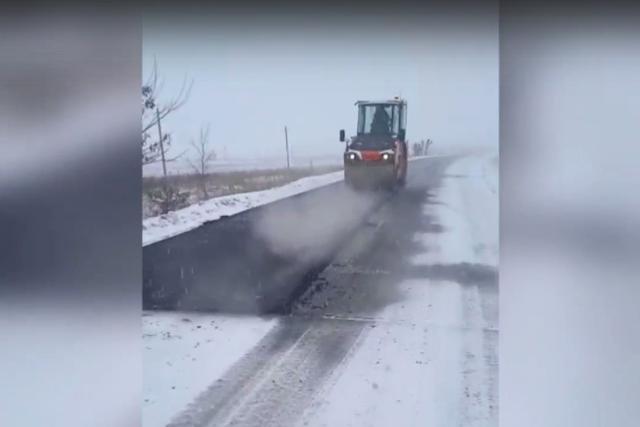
[(184, 353), (162, 227)]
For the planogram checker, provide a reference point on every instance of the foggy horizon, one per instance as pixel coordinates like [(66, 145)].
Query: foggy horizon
[(247, 85)]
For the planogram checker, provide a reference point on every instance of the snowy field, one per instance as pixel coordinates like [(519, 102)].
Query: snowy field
[(182, 165)]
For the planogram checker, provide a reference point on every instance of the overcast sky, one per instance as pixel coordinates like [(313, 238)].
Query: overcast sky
[(254, 75)]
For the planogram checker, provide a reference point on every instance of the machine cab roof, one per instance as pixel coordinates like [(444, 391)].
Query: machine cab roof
[(382, 119), (395, 101)]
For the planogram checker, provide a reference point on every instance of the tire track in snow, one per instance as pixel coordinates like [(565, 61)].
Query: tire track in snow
[(479, 369), (241, 376), (471, 360), (275, 390), (444, 348)]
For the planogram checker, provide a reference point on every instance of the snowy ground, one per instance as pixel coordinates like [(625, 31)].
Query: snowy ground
[(431, 358), (428, 361), (183, 166), (185, 352), (467, 209), (415, 347)]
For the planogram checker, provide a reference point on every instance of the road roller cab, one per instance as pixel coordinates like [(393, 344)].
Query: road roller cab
[(377, 155)]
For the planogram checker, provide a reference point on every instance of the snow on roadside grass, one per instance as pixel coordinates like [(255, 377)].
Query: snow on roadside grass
[(184, 353), (162, 227)]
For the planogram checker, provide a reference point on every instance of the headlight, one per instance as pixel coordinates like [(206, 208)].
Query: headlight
[(386, 156), (352, 156)]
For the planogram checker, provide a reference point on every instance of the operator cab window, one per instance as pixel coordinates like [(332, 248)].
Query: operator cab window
[(378, 119)]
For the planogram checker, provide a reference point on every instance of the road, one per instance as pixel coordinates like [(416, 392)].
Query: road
[(399, 328)]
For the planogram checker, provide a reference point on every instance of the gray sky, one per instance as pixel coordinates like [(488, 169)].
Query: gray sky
[(253, 76)]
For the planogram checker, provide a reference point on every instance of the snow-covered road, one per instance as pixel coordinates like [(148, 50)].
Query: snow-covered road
[(431, 356), (184, 352), (400, 329)]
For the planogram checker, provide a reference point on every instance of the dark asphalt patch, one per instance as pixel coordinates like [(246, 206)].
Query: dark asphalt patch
[(364, 281), (463, 273), (258, 261), (233, 265)]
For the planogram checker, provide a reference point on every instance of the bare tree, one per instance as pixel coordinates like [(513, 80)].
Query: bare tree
[(153, 112), (204, 155), (167, 198)]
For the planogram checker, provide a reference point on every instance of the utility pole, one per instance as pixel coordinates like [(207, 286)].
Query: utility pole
[(286, 144), (164, 162)]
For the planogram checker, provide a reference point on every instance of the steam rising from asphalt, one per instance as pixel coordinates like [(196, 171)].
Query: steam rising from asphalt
[(309, 228)]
